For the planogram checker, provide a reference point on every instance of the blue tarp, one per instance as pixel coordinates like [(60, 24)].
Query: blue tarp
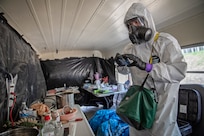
[(108, 123)]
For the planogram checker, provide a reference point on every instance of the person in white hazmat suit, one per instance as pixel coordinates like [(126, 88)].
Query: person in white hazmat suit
[(167, 70)]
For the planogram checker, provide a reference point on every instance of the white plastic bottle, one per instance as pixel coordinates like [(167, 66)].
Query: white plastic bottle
[(48, 128), (23, 113)]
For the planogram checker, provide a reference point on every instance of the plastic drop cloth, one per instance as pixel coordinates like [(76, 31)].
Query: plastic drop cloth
[(107, 123)]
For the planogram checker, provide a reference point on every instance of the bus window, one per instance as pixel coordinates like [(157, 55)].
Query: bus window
[(194, 56)]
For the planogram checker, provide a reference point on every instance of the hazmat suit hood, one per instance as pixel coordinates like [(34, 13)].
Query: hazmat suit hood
[(138, 10)]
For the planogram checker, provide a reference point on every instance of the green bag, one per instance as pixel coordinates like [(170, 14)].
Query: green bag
[(138, 107)]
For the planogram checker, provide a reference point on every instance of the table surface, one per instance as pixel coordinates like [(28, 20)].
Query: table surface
[(111, 91), (62, 91), (82, 127)]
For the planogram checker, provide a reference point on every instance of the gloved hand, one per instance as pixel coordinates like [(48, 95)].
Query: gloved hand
[(137, 62), (121, 61)]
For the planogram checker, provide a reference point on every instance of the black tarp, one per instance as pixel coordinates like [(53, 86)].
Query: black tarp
[(18, 57), (73, 71)]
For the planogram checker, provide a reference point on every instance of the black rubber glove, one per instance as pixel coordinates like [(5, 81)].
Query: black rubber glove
[(137, 62), (121, 61)]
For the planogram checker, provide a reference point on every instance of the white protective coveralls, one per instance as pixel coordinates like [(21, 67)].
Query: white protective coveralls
[(167, 75)]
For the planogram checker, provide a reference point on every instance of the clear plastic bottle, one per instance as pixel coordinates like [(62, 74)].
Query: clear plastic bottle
[(23, 113), (58, 128), (48, 128), (56, 122)]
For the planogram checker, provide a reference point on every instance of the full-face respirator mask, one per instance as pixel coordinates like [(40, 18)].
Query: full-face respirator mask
[(139, 34)]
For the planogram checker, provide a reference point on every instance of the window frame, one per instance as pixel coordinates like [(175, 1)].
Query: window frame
[(192, 46)]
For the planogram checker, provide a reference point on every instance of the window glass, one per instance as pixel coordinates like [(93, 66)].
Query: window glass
[(194, 56)]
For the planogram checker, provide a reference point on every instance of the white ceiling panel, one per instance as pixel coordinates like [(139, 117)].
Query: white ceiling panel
[(50, 25)]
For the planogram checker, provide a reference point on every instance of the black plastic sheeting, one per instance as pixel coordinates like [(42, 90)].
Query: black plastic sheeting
[(18, 57), (35, 77), (73, 71)]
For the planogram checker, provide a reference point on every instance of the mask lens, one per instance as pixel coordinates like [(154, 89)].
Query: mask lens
[(138, 21)]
